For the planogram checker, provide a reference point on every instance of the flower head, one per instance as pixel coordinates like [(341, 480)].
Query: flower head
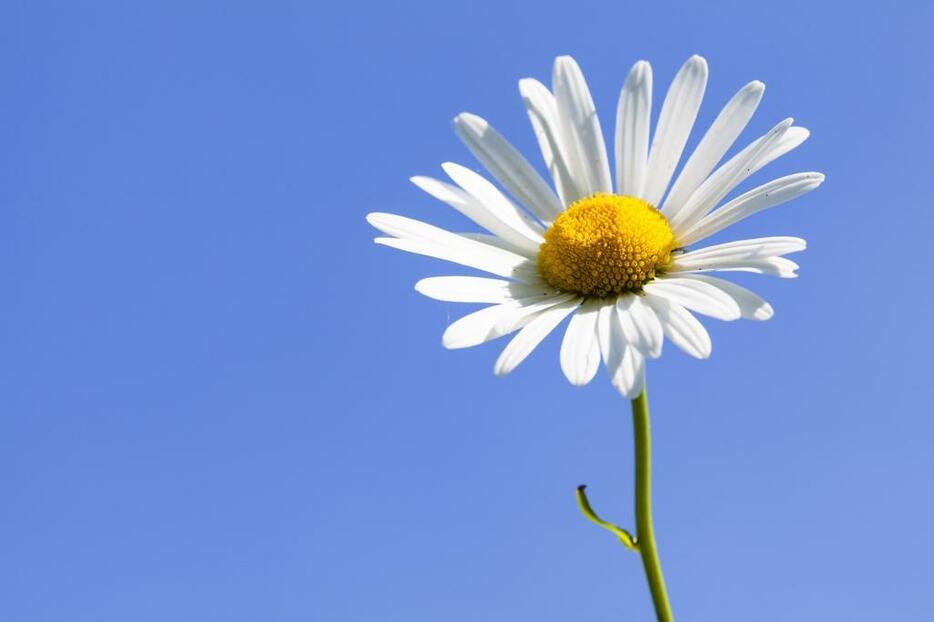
[(605, 244), (618, 259)]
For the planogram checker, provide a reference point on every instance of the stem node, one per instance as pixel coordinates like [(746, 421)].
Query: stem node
[(624, 536)]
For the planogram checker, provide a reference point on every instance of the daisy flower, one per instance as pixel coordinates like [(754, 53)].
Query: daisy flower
[(624, 260), (619, 250)]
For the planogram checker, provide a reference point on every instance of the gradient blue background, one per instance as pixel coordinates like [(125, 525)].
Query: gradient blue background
[(220, 401)]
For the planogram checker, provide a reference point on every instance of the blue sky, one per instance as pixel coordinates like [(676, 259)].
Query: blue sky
[(220, 401)]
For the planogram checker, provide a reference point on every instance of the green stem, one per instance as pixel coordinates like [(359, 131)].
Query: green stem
[(645, 533)]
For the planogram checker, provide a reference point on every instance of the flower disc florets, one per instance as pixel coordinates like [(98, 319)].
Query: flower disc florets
[(605, 244)]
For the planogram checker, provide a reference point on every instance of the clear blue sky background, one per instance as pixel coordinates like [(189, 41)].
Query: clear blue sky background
[(220, 401)]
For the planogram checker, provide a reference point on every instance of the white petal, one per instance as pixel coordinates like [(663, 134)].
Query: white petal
[(494, 200), (609, 336), (492, 240), (475, 289), (695, 295), (543, 114), (473, 258), (531, 335), (508, 166), (752, 306), (475, 328), (765, 196), (772, 266), (424, 239), (724, 180), (493, 322), (754, 248), (515, 240), (580, 351), (640, 325), (624, 362), (791, 139), (715, 143), (530, 307), (674, 126), (629, 377), (633, 122), (580, 128), (681, 326)]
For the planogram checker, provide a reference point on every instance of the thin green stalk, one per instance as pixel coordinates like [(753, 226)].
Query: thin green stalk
[(645, 533)]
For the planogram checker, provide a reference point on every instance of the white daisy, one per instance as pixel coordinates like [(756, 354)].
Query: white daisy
[(619, 260)]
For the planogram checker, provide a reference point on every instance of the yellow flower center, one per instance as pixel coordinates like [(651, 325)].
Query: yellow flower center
[(605, 244)]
